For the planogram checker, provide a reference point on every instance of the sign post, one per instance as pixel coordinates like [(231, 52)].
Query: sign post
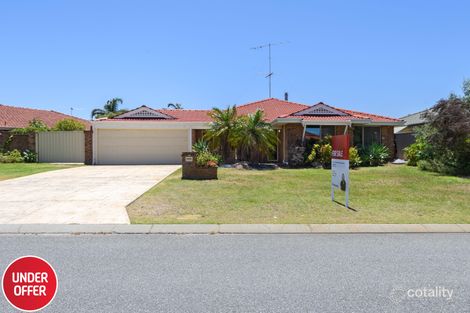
[(340, 166)]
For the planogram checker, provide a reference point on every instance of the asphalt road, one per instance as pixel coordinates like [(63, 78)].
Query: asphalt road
[(251, 273)]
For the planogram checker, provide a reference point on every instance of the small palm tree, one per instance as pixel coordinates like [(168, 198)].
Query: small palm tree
[(110, 109), (176, 106), (224, 131), (256, 136)]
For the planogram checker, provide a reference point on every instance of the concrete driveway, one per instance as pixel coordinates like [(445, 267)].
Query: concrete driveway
[(80, 195)]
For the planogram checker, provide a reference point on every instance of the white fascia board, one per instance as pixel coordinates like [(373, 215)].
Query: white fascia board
[(149, 125), (401, 123), (286, 121)]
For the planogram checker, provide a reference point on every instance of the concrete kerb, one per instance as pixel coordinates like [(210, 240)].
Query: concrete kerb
[(231, 228)]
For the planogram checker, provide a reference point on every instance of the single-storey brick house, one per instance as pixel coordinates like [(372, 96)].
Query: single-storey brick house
[(16, 117), (148, 136), (12, 117)]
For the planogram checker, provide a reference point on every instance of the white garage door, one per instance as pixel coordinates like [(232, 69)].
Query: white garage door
[(119, 146)]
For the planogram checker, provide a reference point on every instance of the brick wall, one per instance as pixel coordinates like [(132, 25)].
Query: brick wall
[(88, 147), (197, 134), (280, 146), (20, 142), (388, 139), (294, 143), (191, 171)]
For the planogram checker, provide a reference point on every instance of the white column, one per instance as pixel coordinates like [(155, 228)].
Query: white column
[(190, 140), (95, 144)]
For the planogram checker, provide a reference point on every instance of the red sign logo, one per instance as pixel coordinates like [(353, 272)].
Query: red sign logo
[(29, 283), (340, 145)]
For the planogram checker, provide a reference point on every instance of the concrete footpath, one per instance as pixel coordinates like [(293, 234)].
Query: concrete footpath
[(230, 228)]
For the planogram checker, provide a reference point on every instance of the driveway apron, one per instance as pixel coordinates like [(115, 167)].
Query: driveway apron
[(80, 195)]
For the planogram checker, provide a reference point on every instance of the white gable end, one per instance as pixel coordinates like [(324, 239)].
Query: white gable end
[(321, 109), (145, 112)]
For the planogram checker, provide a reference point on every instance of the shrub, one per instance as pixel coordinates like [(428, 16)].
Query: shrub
[(68, 124), (201, 146), (313, 154), (426, 165), (30, 156), (375, 155), (207, 159), (416, 151), (321, 153), (13, 156), (354, 158), (325, 155), (34, 125)]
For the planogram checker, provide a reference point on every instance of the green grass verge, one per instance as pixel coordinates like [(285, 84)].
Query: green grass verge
[(13, 170), (388, 194)]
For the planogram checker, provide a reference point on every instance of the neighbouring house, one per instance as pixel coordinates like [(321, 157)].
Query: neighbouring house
[(405, 135), (16, 117), (149, 136), (12, 117)]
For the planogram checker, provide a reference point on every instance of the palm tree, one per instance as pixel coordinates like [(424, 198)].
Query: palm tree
[(110, 109), (176, 106), (257, 137), (224, 131)]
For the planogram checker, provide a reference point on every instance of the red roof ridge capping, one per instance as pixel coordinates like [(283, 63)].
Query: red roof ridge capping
[(179, 110), (272, 107)]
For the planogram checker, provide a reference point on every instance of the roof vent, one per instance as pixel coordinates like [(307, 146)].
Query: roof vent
[(286, 96), (321, 109), (144, 113)]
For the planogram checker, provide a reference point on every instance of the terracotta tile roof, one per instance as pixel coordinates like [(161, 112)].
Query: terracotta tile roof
[(17, 117), (273, 109), (182, 115), (351, 115)]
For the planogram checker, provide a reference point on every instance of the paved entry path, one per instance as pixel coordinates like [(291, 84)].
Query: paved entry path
[(80, 195)]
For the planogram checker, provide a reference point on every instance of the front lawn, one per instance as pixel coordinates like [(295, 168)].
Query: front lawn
[(388, 194), (13, 170)]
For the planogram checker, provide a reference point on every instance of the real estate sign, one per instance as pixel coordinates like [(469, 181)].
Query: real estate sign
[(340, 165)]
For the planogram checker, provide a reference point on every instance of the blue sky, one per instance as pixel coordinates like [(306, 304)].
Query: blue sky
[(384, 57)]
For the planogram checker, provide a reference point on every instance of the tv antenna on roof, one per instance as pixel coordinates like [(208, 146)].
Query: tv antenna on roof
[(269, 45)]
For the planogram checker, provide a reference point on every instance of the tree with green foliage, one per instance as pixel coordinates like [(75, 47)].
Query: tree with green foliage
[(68, 124), (449, 135), (466, 90), (110, 109), (255, 136), (35, 125), (223, 132)]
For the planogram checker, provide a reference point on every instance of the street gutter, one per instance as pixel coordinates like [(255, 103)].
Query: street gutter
[(230, 228)]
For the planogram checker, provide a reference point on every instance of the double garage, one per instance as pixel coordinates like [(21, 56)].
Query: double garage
[(143, 136), (141, 146)]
